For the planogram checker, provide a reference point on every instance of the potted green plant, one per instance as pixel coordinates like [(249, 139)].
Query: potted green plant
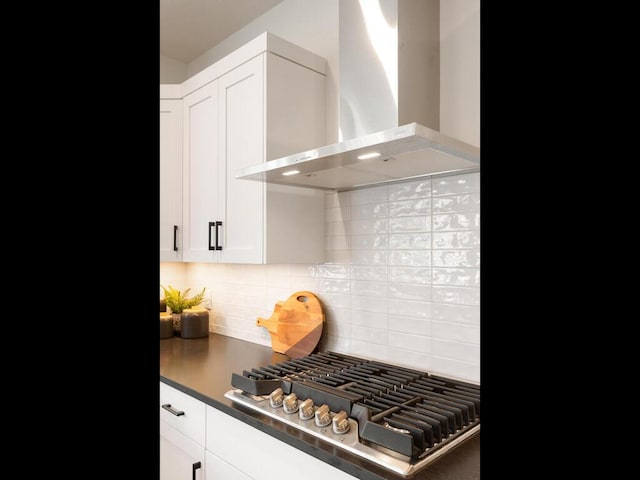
[(177, 301)]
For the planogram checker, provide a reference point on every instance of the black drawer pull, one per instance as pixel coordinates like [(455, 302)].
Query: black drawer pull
[(195, 466), (212, 225), (175, 244), (168, 408)]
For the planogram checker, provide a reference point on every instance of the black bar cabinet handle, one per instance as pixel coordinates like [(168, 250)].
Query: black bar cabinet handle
[(175, 244), (218, 247), (168, 408), (195, 466), (212, 224)]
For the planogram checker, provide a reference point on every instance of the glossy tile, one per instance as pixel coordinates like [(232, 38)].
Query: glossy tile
[(409, 341), (410, 224), (456, 258), (464, 277), (456, 203), (337, 200), (368, 257), (336, 229), (369, 211), (369, 273), (456, 313), (410, 208), (454, 184), (409, 241), (456, 221), (410, 308), (409, 190), (370, 319), (417, 326), (369, 242), (407, 291), (370, 195), (370, 304), (337, 215), (413, 258), (369, 227), (457, 295), (451, 240), (417, 275), (328, 285), (464, 352), (456, 332), (334, 271), (370, 288), (376, 336), (458, 369)]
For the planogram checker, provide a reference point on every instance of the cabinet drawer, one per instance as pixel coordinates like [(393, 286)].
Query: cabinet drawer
[(192, 421)]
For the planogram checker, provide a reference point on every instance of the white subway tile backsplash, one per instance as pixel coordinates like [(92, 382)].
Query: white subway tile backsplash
[(329, 285), (456, 332), (449, 240), (337, 215), (370, 304), (457, 295), (410, 208), (369, 242), (456, 203), (335, 300), (404, 291), (334, 271), (410, 224), (362, 333), (337, 256), (332, 229), (400, 282), (410, 308), (465, 352), (464, 277), (456, 221), (370, 288), (456, 313), (413, 258), (370, 319), (409, 341), (370, 195), (418, 275), (463, 370), (408, 190), (338, 242), (456, 258), (409, 241), (368, 211), (469, 182), (369, 227), (369, 273), (417, 326), (369, 257)]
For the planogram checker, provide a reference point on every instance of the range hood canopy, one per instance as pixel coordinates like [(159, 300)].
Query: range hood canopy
[(405, 152)]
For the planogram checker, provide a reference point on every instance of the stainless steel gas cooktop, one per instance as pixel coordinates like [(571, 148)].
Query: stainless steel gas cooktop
[(398, 418)]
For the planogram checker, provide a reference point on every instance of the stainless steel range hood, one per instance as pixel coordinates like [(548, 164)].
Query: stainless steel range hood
[(405, 152)]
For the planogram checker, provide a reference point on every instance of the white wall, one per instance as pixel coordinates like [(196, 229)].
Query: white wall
[(172, 71), (460, 69), (311, 24)]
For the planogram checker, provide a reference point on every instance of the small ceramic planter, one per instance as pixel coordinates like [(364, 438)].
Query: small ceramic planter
[(166, 325), (195, 323)]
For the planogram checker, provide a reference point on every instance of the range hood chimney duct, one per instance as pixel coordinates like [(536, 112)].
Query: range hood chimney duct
[(389, 88)]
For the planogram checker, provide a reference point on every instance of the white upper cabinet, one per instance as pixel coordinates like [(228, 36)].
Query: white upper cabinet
[(264, 101), (170, 180), (201, 169)]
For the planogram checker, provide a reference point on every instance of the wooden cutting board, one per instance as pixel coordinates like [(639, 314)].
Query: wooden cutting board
[(295, 324)]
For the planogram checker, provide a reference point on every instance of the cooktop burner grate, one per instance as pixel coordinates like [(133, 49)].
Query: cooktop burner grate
[(400, 418)]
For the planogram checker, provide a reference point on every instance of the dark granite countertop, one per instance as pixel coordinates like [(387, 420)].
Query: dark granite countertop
[(202, 368)]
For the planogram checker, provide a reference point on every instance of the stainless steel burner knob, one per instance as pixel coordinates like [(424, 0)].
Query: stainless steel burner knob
[(290, 403), (306, 409), (275, 398), (323, 417), (340, 423)]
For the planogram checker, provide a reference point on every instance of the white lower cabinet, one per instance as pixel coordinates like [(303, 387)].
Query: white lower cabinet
[(182, 435), (180, 457), (236, 450)]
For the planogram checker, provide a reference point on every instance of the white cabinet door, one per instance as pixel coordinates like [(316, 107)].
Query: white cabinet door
[(218, 469), (180, 457), (201, 168), (242, 143), (170, 180)]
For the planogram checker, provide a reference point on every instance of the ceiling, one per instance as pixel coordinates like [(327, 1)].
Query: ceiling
[(188, 28)]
